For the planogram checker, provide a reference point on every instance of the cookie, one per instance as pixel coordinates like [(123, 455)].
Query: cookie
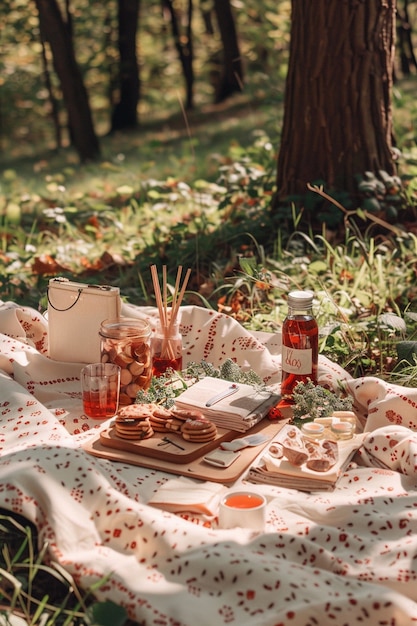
[(179, 416), (136, 410), (159, 419), (187, 414), (134, 429), (174, 424), (133, 422), (199, 430)]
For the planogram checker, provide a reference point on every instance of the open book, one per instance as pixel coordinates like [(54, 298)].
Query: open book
[(233, 406), (280, 472)]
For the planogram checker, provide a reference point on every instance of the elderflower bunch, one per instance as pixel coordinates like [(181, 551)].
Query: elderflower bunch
[(164, 389), (312, 401), (228, 370)]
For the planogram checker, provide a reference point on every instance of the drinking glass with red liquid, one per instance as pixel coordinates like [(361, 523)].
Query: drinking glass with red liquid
[(299, 344), (166, 349)]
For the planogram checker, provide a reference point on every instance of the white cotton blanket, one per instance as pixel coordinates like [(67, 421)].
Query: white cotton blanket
[(343, 557)]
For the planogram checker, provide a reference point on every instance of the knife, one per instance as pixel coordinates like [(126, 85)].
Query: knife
[(223, 394)]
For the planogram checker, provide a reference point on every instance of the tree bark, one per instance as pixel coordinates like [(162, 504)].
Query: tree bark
[(56, 32), (185, 49), (125, 113), (231, 77), (337, 110), (52, 99)]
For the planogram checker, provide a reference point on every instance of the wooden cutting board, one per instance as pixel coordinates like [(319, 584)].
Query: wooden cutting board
[(166, 446), (196, 468)]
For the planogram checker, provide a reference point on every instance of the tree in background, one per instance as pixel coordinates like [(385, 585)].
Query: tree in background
[(337, 116), (231, 69), (184, 45), (59, 37), (125, 113)]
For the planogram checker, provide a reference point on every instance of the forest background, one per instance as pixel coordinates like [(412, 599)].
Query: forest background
[(191, 180)]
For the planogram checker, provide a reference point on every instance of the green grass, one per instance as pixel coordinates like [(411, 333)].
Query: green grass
[(197, 192)]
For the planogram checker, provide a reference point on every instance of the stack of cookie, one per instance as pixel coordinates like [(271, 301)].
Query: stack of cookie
[(199, 430), (140, 421), (160, 418), (179, 418), (133, 422)]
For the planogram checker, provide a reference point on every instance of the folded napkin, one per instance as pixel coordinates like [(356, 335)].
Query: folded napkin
[(280, 472), (238, 411), (391, 447), (180, 495)]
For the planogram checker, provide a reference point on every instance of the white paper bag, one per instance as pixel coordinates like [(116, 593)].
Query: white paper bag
[(75, 312)]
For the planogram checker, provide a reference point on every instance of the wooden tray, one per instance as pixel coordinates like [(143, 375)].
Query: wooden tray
[(156, 448), (196, 468)]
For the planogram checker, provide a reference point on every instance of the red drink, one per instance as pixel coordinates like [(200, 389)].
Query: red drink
[(166, 349), (244, 501), (160, 366), (100, 384), (244, 509), (94, 408), (299, 344)]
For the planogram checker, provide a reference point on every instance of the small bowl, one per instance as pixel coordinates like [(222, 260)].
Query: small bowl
[(313, 430), (342, 430), (244, 509)]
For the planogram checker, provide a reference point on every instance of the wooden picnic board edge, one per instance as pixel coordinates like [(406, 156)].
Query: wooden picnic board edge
[(197, 468)]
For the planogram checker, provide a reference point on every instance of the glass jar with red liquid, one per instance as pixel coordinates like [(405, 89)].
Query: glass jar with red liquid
[(166, 349), (299, 343)]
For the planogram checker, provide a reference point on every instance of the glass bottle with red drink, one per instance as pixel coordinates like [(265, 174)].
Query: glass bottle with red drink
[(299, 343)]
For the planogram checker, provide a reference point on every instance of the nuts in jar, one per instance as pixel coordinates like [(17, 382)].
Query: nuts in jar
[(126, 342)]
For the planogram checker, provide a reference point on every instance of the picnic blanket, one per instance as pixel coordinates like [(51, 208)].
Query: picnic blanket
[(344, 557)]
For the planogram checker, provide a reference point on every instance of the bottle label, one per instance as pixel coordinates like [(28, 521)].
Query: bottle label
[(297, 361)]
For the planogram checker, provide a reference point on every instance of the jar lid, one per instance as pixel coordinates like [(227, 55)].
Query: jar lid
[(120, 327), (300, 299)]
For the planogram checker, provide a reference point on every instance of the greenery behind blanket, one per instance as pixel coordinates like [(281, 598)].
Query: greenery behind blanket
[(203, 200)]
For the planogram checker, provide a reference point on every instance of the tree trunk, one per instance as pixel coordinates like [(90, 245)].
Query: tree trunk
[(125, 113), (56, 32), (231, 77), (52, 99), (405, 46), (184, 46), (337, 115)]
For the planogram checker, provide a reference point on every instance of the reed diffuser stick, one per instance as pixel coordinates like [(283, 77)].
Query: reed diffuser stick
[(168, 317)]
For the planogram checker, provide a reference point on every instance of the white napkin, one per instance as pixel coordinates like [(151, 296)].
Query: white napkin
[(181, 495), (239, 411), (391, 447)]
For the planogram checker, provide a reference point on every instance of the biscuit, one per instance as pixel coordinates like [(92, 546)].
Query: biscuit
[(133, 428), (133, 422), (173, 423), (159, 419), (199, 430), (187, 414), (136, 410)]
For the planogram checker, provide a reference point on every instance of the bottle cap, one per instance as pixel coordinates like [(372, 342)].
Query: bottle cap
[(300, 299)]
